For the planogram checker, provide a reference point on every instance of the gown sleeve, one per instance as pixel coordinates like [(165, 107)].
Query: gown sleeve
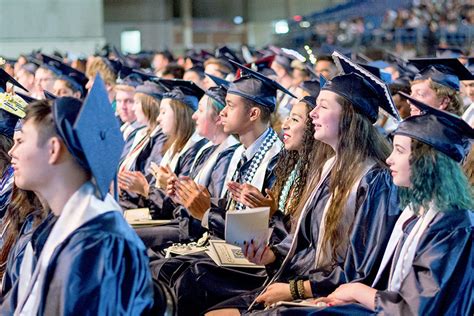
[(98, 275), (440, 281), (374, 220)]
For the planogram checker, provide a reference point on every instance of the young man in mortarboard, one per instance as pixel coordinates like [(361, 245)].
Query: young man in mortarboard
[(438, 84), (90, 261), (249, 103)]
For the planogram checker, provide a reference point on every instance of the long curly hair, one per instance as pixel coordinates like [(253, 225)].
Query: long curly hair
[(312, 156), (436, 178)]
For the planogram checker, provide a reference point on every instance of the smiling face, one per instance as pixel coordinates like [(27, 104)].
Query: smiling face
[(326, 117), (422, 91), (399, 161), (294, 127), (166, 119)]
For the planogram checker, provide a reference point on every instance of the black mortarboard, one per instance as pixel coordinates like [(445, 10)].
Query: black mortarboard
[(12, 108), (442, 130), (218, 92), (445, 71), (25, 97), (182, 90), (367, 95), (91, 133), (225, 54), (152, 89), (256, 87), (312, 86), (114, 65), (5, 78)]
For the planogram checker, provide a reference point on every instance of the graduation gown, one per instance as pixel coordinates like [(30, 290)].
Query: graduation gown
[(18, 250), (376, 211), (197, 281), (103, 260), (6, 189), (185, 228), (438, 283)]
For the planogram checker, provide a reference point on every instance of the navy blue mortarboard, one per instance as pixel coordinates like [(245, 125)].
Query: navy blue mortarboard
[(445, 71), (256, 87), (152, 89), (197, 69), (262, 65), (226, 54), (89, 129), (383, 75), (12, 108), (74, 77), (309, 100), (49, 96), (184, 91), (219, 92), (5, 78), (450, 52), (441, 130), (312, 86), (366, 91)]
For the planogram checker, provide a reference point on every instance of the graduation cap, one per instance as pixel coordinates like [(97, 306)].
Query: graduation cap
[(312, 86), (5, 78), (262, 65), (90, 129), (49, 95), (441, 130), (152, 89), (309, 100), (366, 91), (445, 71), (12, 108), (383, 75), (199, 70), (256, 87), (114, 65), (74, 77), (26, 97), (450, 52), (226, 54), (219, 92), (184, 91)]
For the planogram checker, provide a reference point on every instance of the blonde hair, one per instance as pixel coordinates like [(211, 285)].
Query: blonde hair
[(98, 66), (455, 104)]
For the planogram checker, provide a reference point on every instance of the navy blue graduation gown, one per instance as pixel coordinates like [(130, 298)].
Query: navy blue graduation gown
[(440, 281), (108, 260), (185, 228), (376, 214)]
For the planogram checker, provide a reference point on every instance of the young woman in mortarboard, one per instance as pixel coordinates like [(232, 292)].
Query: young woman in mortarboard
[(427, 266), (345, 223), (208, 169)]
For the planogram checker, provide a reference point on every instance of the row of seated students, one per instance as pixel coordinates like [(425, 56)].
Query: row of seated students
[(359, 225)]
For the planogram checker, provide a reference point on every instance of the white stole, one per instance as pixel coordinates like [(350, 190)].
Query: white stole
[(172, 160), (409, 248), (79, 209), (205, 172), (259, 176), (349, 207)]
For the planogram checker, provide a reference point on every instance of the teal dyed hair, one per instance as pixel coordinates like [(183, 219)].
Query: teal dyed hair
[(438, 178)]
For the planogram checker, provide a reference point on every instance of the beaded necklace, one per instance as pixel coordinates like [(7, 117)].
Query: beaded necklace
[(292, 179)]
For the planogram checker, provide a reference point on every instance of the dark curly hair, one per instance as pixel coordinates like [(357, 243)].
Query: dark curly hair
[(310, 154)]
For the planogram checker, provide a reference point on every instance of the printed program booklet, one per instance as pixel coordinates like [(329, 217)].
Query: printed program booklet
[(245, 225), (140, 217)]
